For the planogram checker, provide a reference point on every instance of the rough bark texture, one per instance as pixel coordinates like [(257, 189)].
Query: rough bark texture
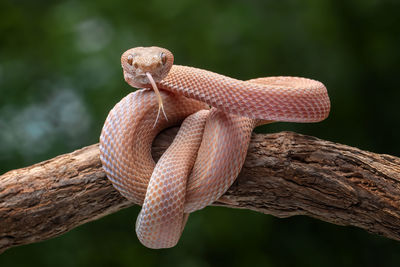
[(285, 174)]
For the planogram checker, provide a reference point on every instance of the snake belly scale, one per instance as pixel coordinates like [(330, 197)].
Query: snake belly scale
[(210, 148)]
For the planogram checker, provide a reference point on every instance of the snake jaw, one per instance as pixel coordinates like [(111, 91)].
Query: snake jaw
[(159, 99)]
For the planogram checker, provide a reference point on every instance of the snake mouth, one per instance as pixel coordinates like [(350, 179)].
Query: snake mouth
[(138, 76), (138, 80)]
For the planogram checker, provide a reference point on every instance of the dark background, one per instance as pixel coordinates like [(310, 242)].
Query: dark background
[(60, 74)]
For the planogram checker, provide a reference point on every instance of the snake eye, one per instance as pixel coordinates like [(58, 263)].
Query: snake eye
[(163, 58), (130, 60)]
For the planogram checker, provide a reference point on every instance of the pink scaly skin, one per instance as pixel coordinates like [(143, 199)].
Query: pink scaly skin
[(208, 153)]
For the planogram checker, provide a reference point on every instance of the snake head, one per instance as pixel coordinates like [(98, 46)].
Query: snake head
[(138, 61)]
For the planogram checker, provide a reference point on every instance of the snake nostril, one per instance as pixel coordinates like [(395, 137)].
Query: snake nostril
[(136, 65)]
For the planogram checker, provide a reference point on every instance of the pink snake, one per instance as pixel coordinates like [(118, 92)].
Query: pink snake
[(210, 148)]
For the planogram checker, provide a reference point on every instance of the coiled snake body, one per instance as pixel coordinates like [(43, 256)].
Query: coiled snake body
[(211, 145)]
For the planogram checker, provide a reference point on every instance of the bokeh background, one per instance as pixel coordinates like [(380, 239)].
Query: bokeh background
[(60, 74)]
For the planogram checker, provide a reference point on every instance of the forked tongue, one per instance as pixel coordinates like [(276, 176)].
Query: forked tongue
[(159, 99)]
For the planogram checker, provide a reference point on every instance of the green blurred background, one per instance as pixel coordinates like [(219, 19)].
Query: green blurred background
[(60, 74)]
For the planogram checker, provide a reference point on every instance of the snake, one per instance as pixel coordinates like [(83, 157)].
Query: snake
[(217, 115)]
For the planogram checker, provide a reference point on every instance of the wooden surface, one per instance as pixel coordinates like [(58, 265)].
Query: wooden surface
[(285, 174)]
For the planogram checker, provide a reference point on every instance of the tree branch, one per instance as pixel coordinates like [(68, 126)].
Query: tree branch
[(285, 174)]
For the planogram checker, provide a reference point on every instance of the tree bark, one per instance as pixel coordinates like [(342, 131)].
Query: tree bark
[(285, 174)]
